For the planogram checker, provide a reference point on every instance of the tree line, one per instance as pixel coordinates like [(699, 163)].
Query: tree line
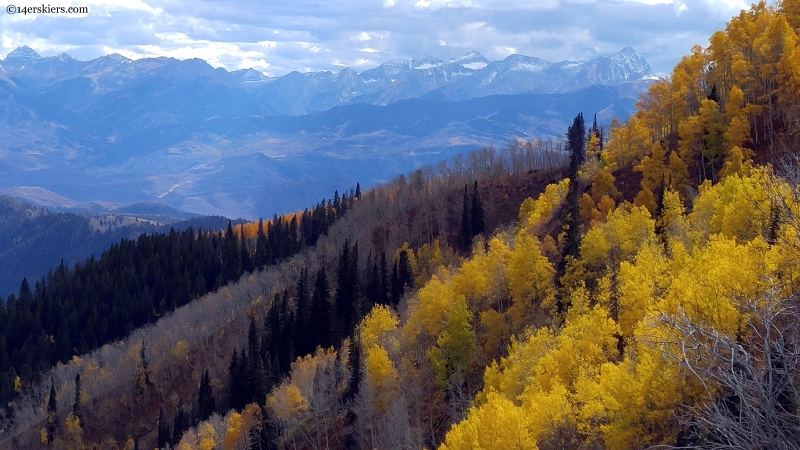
[(70, 312)]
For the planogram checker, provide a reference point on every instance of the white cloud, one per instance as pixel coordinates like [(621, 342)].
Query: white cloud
[(299, 31)]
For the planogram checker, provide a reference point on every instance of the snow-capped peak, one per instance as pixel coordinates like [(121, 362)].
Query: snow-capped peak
[(471, 60)]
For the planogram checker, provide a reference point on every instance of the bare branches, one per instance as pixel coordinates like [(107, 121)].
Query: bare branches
[(749, 396)]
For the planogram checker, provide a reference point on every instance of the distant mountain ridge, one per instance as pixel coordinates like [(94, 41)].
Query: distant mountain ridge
[(239, 144), (461, 78)]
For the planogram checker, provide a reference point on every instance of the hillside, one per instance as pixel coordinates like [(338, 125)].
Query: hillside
[(372, 216), (643, 295), (648, 299)]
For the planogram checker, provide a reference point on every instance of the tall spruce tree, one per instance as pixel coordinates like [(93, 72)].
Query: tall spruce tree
[(465, 228), (206, 403), (143, 381), (181, 423), (76, 405), (476, 213), (405, 273), (320, 311), (164, 437), (576, 145), (51, 423)]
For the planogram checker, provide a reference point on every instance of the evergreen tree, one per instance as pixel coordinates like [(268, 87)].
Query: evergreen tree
[(476, 213), (261, 246), (235, 384), (465, 229), (181, 423), (206, 403), (405, 274), (51, 423), (163, 429), (374, 283), (358, 191), (397, 287), (354, 364), (320, 311), (247, 262), (301, 340), (577, 148), (76, 406), (143, 381), (344, 290), (385, 289)]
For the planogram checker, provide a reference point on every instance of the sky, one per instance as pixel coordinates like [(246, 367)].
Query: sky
[(279, 36)]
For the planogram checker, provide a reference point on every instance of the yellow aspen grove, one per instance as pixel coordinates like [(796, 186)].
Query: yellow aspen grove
[(653, 168)]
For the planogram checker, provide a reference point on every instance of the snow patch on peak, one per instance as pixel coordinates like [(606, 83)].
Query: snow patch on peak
[(476, 65)]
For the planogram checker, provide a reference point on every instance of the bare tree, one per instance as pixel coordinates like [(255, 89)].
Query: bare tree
[(749, 381)]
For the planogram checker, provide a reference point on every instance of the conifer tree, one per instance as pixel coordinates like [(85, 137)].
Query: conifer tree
[(405, 274), (343, 295), (320, 308), (143, 381), (397, 287), (476, 213), (51, 424), (163, 429), (576, 147), (206, 403), (247, 262), (465, 229), (385, 289), (76, 406), (235, 383), (181, 423), (301, 340), (354, 364), (260, 258)]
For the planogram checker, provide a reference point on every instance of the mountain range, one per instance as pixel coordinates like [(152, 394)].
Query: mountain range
[(242, 144)]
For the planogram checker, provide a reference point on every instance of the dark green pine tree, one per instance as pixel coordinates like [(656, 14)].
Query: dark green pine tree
[(576, 146), (287, 353), (163, 429), (320, 311), (358, 191), (386, 287), (405, 275), (247, 261), (181, 423), (354, 364), (374, 282), (301, 340), (143, 381), (233, 257), (76, 406), (465, 229), (477, 224), (51, 424), (206, 403), (343, 290), (235, 383), (397, 287), (261, 246)]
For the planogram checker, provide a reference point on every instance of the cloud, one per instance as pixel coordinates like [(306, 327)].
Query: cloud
[(278, 37)]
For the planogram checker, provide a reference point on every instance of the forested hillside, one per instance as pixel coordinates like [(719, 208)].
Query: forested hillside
[(124, 385), (643, 295), (648, 299)]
